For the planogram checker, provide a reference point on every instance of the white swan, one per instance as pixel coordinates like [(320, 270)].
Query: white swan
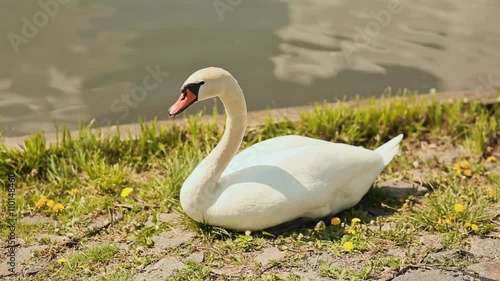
[(274, 181)]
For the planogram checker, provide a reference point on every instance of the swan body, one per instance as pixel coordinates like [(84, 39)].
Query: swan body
[(274, 181)]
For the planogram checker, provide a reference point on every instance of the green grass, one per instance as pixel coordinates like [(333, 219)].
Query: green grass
[(86, 175), (85, 263), (344, 274), (193, 271)]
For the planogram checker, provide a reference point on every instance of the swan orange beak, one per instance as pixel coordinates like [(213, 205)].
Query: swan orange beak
[(186, 99)]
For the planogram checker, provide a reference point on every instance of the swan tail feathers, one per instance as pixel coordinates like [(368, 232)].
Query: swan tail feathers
[(389, 149)]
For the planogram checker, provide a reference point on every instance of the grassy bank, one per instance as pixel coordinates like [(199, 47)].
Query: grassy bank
[(452, 149)]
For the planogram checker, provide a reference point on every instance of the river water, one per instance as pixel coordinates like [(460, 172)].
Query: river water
[(66, 61)]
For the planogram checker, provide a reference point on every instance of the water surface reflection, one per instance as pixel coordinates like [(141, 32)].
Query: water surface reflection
[(91, 59)]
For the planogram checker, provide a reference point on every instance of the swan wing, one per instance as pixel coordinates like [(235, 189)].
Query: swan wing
[(312, 179), (255, 153)]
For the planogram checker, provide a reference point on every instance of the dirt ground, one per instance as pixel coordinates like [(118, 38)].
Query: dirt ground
[(181, 253)]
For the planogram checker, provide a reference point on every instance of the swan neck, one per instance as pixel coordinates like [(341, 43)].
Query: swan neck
[(228, 146), (201, 186)]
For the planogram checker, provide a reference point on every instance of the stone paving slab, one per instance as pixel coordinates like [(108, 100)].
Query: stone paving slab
[(431, 275), (487, 269), (159, 270)]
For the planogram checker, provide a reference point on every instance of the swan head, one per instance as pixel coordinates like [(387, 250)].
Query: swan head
[(204, 84)]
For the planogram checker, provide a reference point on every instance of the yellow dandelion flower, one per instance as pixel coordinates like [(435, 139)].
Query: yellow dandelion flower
[(41, 202), (350, 231), (62, 260), (491, 191), (74, 191), (491, 159), (458, 208), (459, 171), (447, 221), (405, 207), (468, 172), (355, 220), (335, 221), (50, 203), (474, 227), (126, 191), (467, 225), (348, 246), (320, 226), (439, 221), (57, 207), (465, 164)]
